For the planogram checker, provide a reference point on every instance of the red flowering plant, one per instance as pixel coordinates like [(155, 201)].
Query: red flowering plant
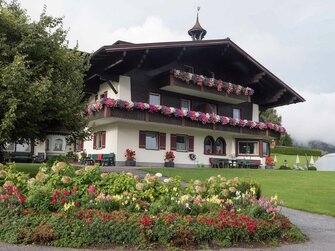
[(269, 161), (169, 156), (10, 197), (130, 155)]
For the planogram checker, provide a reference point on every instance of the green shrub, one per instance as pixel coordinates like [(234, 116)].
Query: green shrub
[(59, 158), (295, 151), (312, 168), (284, 168), (243, 186)]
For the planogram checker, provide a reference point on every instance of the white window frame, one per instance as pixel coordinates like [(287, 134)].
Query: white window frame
[(156, 95), (98, 143), (146, 141), (185, 108), (179, 144), (239, 113), (248, 141)]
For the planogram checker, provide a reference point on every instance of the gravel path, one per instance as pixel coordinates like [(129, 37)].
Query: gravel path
[(319, 228)]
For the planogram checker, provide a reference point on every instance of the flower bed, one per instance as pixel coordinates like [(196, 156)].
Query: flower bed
[(204, 118), (62, 206)]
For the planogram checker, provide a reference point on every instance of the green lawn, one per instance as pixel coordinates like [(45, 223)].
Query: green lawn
[(291, 159), (30, 168), (305, 190)]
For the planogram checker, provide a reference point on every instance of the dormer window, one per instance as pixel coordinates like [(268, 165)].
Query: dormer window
[(154, 98)]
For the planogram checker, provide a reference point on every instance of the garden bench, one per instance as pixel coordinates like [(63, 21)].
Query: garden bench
[(104, 159), (219, 162), (17, 156), (248, 163)]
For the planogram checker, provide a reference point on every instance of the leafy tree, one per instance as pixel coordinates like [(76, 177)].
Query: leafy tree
[(41, 78), (270, 115), (285, 140)]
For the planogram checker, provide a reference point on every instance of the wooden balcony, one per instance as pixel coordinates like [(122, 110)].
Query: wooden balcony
[(173, 84), (146, 116)]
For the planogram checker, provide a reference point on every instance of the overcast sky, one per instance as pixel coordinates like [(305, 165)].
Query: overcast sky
[(295, 39)]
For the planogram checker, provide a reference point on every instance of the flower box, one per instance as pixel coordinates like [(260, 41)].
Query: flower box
[(169, 164), (130, 163)]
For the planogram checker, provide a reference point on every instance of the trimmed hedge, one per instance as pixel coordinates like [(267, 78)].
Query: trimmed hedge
[(295, 151)]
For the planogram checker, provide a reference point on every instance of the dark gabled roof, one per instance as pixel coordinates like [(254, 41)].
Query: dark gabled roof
[(125, 53)]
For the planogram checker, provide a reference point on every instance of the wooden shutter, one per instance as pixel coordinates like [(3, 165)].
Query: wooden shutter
[(81, 145), (162, 141), (191, 143), (103, 139), (95, 141), (173, 142), (142, 139)]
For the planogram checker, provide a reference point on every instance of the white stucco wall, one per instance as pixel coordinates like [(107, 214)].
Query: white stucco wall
[(255, 112), (62, 150), (123, 88), (111, 140), (128, 137)]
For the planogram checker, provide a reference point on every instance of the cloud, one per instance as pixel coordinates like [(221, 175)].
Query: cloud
[(152, 30), (311, 120)]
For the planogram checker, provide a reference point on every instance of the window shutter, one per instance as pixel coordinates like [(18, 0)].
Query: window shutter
[(162, 141), (81, 145), (105, 94), (142, 139), (95, 141), (173, 142), (103, 139), (75, 146), (191, 143)]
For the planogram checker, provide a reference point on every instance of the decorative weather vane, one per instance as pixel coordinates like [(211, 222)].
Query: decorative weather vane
[(197, 32)]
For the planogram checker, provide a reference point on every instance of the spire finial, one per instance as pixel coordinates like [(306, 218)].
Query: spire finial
[(197, 32)]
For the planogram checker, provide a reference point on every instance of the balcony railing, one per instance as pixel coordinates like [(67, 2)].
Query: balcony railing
[(179, 85), (146, 116)]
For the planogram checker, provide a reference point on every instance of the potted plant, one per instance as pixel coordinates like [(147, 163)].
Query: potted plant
[(169, 158), (130, 156), (269, 163)]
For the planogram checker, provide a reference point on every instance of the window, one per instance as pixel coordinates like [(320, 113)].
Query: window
[(208, 145), (47, 145), (78, 145), (236, 113), (58, 146), (96, 97), (154, 98), (99, 140), (186, 104), (181, 143), (220, 146), (151, 140), (248, 147), (266, 149), (214, 108)]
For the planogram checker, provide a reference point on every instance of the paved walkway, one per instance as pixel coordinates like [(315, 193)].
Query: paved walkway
[(319, 228)]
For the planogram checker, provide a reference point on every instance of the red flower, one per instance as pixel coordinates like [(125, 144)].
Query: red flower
[(22, 199), (53, 202), (77, 204), (66, 193), (63, 201)]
